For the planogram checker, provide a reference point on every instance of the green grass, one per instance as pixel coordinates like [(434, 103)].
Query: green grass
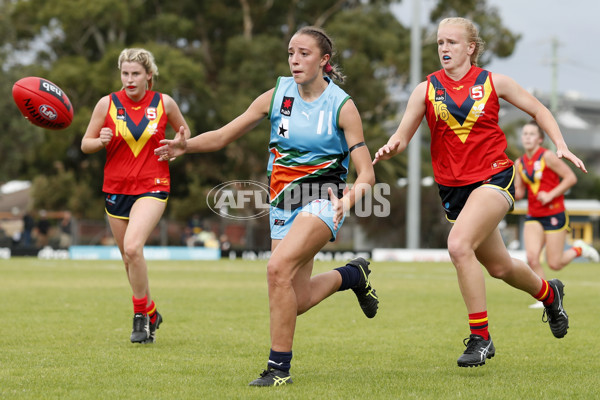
[(66, 325)]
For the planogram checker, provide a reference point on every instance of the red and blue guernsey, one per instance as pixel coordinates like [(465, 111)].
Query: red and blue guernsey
[(467, 145), (308, 150), (538, 177), (131, 166)]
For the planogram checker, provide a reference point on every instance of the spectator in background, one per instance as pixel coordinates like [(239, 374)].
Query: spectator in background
[(225, 245), (5, 241), (43, 226), (66, 226), (186, 236), (195, 222), (28, 226)]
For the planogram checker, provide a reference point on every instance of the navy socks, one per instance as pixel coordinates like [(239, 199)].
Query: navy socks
[(280, 360)]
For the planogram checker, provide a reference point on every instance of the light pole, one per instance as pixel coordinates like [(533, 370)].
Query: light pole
[(413, 204)]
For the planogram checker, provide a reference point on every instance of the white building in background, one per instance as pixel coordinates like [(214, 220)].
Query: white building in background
[(579, 121), (15, 197)]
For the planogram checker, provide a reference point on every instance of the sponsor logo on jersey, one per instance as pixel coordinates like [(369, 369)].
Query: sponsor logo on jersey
[(121, 114), (286, 106), (478, 109), (500, 163), (279, 222), (440, 94), (152, 128)]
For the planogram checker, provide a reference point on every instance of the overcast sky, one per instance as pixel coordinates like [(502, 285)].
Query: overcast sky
[(576, 25)]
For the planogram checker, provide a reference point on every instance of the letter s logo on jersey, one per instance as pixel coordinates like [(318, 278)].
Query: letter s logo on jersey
[(151, 113), (476, 92)]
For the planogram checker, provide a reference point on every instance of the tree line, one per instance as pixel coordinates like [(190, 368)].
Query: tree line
[(214, 57)]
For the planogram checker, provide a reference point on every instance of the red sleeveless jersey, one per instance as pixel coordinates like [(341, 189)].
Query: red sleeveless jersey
[(467, 145), (131, 166), (538, 177)]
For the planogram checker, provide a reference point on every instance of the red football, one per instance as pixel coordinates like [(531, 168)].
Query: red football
[(43, 103)]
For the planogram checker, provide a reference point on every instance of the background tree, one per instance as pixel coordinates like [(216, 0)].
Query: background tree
[(214, 58)]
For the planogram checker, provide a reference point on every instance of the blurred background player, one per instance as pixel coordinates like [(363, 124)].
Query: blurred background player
[(129, 124), (546, 178)]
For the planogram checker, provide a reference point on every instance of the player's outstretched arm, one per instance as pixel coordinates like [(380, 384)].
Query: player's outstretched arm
[(515, 94), (415, 111), (215, 140)]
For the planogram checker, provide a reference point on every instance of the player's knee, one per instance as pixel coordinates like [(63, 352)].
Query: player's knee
[(458, 249), (533, 260), (555, 266), (132, 253), (277, 274)]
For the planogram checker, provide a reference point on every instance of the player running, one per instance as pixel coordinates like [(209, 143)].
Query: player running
[(315, 130), (129, 124), (475, 177), (545, 178)]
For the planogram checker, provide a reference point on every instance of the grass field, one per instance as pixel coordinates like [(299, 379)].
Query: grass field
[(66, 326)]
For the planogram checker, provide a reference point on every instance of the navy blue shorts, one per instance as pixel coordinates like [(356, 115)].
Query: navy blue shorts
[(119, 205), (454, 198), (550, 223)]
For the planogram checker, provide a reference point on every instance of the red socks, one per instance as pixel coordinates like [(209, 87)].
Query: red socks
[(151, 310), (546, 294), (478, 322), (139, 305)]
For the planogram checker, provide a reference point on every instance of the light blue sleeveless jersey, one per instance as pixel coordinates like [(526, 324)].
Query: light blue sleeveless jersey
[(308, 150)]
